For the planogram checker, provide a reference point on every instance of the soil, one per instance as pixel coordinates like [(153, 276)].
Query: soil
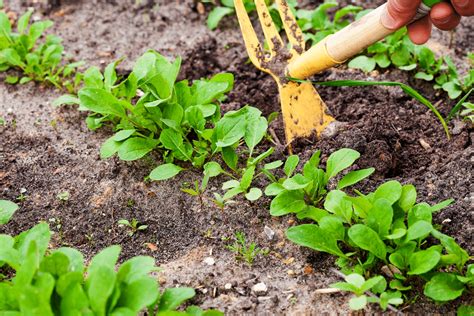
[(45, 151)]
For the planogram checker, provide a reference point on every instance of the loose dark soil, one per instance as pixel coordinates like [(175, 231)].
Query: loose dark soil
[(45, 151)]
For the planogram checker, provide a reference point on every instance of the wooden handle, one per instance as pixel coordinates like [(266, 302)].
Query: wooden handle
[(349, 41), (358, 36)]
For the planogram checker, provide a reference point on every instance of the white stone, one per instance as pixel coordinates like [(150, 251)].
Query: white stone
[(209, 261), (260, 288)]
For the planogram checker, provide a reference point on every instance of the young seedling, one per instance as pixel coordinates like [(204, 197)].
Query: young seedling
[(245, 252), (38, 60), (387, 227), (134, 226), (22, 197), (63, 196), (467, 112), (101, 286), (356, 284), (221, 202), (302, 193)]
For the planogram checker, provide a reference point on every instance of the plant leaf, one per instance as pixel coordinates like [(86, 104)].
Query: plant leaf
[(7, 209), (423, 261), (340, 160), (353, 177), (443, 287), (164, 172), (314, 237), (367, 239)]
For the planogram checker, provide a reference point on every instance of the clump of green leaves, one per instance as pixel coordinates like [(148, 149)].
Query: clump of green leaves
[(244, 251), (316, 24), (302, 193), (399, 51), (356, 284), (133, 226), (39, 61), (52, 282), (388, 228), (63, 196), (149, 110), (7, 209)]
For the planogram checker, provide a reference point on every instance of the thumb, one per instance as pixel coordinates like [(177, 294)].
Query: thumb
[(398, 13)]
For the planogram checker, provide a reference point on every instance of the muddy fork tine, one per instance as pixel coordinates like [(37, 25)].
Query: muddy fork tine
[(269, 30), (254, 48), (293, 31)]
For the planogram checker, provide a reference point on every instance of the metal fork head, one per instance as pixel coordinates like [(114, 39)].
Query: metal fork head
[(276, 60), (304, 112)]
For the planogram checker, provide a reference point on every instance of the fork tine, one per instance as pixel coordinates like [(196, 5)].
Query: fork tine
[(254, 48), (293, 31), (269, 30)]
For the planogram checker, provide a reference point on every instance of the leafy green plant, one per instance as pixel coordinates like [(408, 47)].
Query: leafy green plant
[(356, 284), (302, 193), (387, 227), (316, 24), (38, 61), (245, 252), (51, 282), (134, 226), (398, 50), (7, 209), (149, 110)]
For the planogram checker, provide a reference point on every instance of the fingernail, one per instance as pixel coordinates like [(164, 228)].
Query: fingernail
[(462, 3)]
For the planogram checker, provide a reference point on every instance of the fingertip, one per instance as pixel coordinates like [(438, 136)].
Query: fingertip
[(420, 31), (464, 7), (444, 16), (398, 13)]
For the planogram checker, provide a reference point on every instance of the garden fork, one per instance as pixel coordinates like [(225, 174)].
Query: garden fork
[(304, 112)]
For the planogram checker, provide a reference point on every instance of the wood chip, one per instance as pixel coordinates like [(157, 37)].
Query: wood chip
[(424, 144), (151, 246), (200, 8), (327, 291)]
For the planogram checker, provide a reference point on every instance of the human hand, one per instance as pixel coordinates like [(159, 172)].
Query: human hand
[(444, 15)]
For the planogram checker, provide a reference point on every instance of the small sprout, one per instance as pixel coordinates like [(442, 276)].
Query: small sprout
[(134, 226), (245, 252), (221, 202), (63, 196), (22, 197), (468, 111), (2, 121), (53, 124), (130, 202)]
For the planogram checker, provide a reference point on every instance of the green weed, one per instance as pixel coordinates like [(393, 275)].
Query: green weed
[(133, 226), (244, 251)]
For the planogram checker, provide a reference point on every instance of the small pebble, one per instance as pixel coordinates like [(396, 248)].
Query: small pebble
[(269, 232), (209, 261), (458, 127), (259, 288), (228, 286), (447, 220)]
